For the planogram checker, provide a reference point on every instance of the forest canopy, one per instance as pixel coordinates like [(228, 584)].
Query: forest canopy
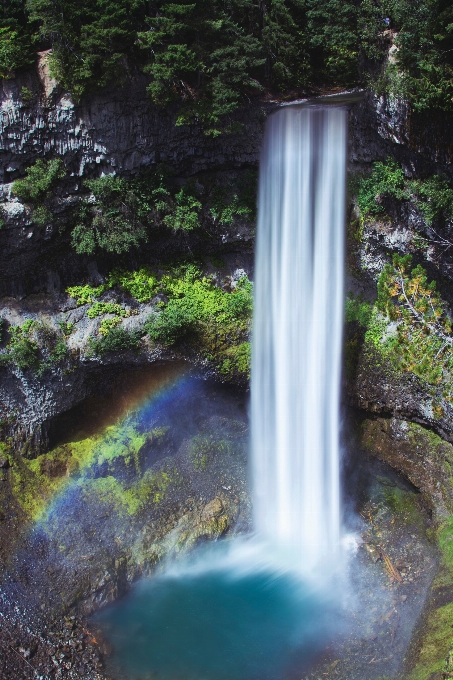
[(211, 57)]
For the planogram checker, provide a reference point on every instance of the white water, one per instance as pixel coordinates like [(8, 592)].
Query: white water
[(298, 332)]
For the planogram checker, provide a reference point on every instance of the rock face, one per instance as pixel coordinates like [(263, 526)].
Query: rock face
[(417, 453), (117, 132)]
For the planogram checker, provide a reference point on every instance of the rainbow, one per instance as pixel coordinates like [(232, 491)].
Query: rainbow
[(46, 499)]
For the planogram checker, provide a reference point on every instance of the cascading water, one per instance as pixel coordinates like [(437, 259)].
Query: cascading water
[(298, 332), (243, 609)]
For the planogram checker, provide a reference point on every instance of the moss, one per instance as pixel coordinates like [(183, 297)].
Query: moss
[(437, 639), (403, 504), (434, 652), (204, 448), (35, 482)]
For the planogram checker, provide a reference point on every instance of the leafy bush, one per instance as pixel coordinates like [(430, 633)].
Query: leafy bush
[(14, 52), (85, 294), (433, 196), (41, 177), (100, 308), (114, 221), (387, 179), (216, 322), (358, 311), (22, 349), (185, 214), (423, 341), (116, 340), (141, 284), (119, 213), (172, 323)]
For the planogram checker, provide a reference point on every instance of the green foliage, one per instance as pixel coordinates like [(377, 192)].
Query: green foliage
[(119, 212), (213, 57), (236, 199), (172, 323), (185, 214), (217, 322), (66, 328), (238, 360), (113, 221), (115, 340), (109, 324), (200, 54), (90, 40), (424, 61), (358, 311), (204, 448), (35, 345), (433, 196), (85, 294), (26, 94), (387, 179), (422, 342), (22, 350), (41, 216), (14, 51), (100, 308), (141, 284), (41, 178)]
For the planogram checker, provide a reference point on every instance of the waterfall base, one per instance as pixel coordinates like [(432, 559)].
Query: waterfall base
[(219, 617)]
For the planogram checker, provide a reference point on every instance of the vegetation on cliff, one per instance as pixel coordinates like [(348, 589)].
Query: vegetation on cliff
[(212, 57), (188, 307), (409, 324)]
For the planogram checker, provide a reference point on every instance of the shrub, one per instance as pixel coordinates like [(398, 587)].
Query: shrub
[(387, 179), (358, 311), (185, 213), (433, 195), (22, 350), (85, 294), (116, 340), (14, 51), (172, 323), (100, 308), (41, 177), (141, 284)]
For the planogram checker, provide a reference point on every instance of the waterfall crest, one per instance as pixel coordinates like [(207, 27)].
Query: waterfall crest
[(298, 331)]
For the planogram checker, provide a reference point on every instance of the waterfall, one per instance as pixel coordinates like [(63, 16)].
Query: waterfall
[(298, 331)]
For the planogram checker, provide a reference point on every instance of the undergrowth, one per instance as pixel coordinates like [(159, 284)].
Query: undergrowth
[(433, 195), (190, 309), (409, 324), (36, 345)]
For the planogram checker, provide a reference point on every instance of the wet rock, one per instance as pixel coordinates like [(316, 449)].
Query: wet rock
[(212, 510), (421, 455), (372, 551)]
